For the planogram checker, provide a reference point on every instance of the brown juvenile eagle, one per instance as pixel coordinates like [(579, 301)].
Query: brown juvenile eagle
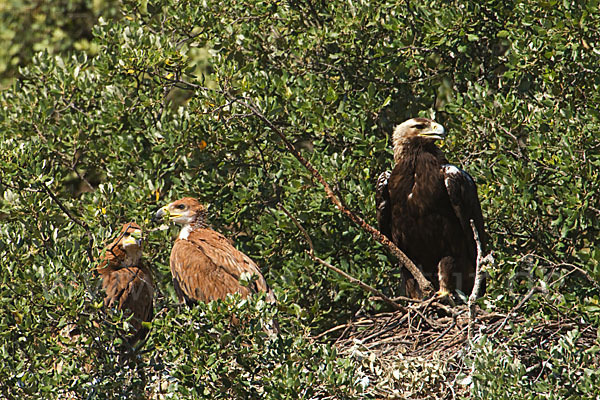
[(126, 280), (204, 264), (424, 206)]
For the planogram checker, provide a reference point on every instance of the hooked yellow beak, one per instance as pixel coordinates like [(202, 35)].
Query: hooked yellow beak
[(134, 237), (162, 213), (435, 131)]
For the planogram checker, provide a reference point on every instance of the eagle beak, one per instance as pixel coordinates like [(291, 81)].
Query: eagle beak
[(137, 235), (435, 131), (134, 238), (160, 214)]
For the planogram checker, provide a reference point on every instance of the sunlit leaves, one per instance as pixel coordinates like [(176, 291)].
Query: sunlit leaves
[(158, 111)]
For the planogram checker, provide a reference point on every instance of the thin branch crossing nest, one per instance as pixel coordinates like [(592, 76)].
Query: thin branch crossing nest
[(425, 352), (428, 350)]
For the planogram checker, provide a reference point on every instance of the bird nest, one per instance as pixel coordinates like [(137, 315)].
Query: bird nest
[(424, 351)]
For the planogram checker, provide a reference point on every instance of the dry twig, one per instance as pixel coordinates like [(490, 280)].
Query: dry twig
[(349, 277), (525, 299), (424, 284), (82, 224), (479, 277)]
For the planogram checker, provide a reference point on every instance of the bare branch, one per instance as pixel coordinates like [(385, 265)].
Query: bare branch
[(479, 277), (424, 284), (349, 277), (300, 228), (83, 224), (26, 189), (575, 268), (525, 299), (360, 283), (594, 209)]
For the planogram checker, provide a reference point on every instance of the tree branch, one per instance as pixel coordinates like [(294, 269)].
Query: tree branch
[(360, 283), (349, 277), (74, 219), (424, 284), (63, 157), (479, 277), (526, 298)]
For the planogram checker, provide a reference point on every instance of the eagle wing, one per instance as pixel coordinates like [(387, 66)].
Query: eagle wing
[(130, 288), (206, 267), (383, 204), (462, 192)]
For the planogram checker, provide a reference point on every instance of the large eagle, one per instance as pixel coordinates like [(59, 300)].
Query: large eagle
[(425, 204), (126, 280), (204, 264)]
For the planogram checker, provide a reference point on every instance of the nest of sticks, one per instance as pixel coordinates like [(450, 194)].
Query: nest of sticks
[(426, 348), (423, 351)]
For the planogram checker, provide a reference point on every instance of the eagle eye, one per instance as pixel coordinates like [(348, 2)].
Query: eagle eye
[(420, 126), (180, 206)]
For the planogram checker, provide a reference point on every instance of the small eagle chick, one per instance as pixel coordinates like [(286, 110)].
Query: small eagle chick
[(126, 280)]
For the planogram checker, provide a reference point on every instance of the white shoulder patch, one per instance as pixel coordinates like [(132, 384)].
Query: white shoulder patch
[(185, 232), (451, 169), (383, 178)]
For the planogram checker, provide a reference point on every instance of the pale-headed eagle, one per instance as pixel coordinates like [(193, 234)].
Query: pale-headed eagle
[(126, 280), (204, 264), (424, 206)]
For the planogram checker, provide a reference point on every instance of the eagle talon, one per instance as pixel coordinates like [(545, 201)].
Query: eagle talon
[(445, 296)]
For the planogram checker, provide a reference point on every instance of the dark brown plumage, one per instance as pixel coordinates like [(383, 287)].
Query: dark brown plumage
[(127, 282), (424, 206), (204, 264)]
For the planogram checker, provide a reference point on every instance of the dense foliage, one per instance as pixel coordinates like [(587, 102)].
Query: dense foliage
[(58, 27), (161, 99)]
